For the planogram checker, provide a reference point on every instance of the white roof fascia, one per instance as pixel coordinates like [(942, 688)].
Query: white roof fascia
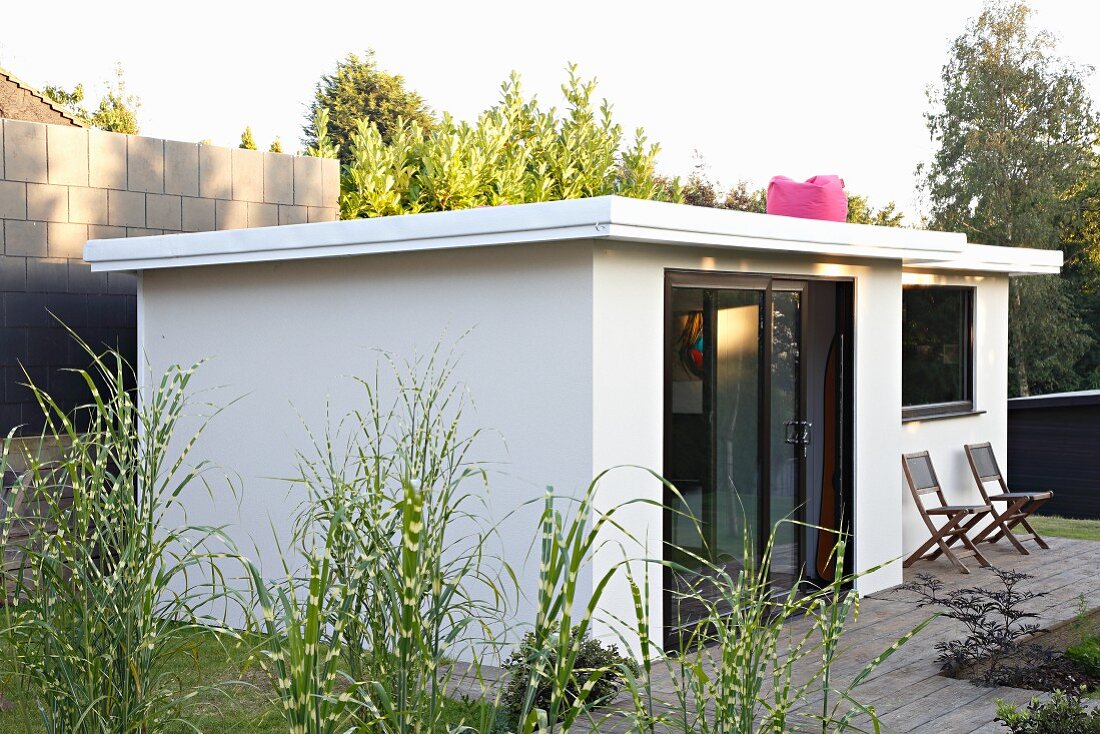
[(991, 259), (606, 217)]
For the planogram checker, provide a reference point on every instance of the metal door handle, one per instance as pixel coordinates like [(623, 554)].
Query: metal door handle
[(798, 432)]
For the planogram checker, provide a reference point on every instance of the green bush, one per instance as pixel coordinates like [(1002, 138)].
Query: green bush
[(598, 665), (1065, 713), (514, 153), (1086, 654)]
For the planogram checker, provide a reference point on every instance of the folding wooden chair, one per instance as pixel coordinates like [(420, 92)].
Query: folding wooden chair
[(1018, 505), (922, 481)]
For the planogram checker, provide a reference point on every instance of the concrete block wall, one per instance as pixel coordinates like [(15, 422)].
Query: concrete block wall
[(61, 186)]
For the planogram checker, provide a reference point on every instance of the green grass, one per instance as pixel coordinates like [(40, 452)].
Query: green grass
[(235, 695), (1064, 527), (221, 706)]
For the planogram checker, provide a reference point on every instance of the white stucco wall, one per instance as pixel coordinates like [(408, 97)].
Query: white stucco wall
[(565, 366), (944, 439), (628, 332), (286, 337)]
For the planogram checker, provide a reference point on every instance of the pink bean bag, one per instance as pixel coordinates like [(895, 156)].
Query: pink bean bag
[(821, 197)]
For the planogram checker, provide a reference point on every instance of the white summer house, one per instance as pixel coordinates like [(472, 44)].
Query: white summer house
[(768, 366)]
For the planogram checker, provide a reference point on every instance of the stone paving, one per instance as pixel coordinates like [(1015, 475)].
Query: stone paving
[(907, 692)]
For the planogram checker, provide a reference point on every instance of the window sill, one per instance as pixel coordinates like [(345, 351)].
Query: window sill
[(940, 416)]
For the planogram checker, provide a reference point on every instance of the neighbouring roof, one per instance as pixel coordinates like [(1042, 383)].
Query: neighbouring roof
[(1056, 400), (39, 97), (601, 218)]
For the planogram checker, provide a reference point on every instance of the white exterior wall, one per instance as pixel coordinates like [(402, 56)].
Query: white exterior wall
[(564, 363), (628, 380), (944, 438), (286, 337)]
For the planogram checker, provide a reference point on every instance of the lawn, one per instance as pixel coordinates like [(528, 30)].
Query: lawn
[(1064, 527), (230, 708), (234, 696)]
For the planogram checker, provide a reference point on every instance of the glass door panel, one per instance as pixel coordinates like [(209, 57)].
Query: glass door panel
[(790, 435), (735, 435), (737, 374)]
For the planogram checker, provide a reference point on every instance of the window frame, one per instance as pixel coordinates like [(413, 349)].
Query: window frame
[(967, 406)]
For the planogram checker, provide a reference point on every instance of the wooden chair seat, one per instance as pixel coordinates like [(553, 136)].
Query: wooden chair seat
[(920, 475), (964, 509), (1018, 505), (1020, 495)]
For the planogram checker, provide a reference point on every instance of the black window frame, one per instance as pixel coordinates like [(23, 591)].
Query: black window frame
[(967, 405)]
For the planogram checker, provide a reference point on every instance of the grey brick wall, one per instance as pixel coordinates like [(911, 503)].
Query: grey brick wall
[(61, 186)]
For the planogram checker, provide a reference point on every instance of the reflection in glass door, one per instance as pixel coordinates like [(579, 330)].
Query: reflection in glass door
[(736, 432)]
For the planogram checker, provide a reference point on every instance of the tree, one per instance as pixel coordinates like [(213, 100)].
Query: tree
[(358, 90), (116, 112), (860, 211), (1014, 128), (516, 152), (276, 146), (248, 141)]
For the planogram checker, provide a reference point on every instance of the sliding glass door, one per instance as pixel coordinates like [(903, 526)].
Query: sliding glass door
[(735, 433)]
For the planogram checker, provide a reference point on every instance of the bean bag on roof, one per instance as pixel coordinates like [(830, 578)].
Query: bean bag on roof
[(821, 197)]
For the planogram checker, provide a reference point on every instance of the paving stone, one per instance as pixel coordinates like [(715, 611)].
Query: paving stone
[(13, 272), (24, 151), (106, 159), (248, 175), (67, 155), (262, 215), (215, 172), (278, 178), (100, 232), (24, 238), (198, 214), (163, 211), (330, 182), (293, 214), (230, 214), (65, 239), (181, 168), (308, 181), (13, 200), (126, 208), (47, 275), (322, 214), (87, 206), (47, 202), (145, 164)]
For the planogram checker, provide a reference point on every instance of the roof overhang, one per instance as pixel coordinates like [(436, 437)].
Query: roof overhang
[(608, 218)]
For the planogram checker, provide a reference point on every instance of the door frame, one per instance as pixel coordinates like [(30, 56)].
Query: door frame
[(763, 281)]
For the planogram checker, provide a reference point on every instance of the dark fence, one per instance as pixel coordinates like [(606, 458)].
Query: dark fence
[(1054, 443)]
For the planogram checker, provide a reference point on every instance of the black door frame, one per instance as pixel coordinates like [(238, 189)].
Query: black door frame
[(845, 325)]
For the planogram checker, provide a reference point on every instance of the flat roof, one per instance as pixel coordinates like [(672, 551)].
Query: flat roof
[(606, 217), (1056, 400)]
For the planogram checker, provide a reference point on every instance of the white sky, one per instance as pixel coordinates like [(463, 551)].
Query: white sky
[(762, 88)]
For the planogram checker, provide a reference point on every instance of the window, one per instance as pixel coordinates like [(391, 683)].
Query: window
[(937, 360)]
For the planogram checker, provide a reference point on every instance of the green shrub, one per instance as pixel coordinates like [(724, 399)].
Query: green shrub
[(514, 153), (1065, 713), (599, 665), (1086, 654)]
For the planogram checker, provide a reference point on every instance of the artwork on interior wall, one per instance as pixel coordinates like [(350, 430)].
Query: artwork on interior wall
[(688, 368)]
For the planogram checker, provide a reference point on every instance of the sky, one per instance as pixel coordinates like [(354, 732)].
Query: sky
[(756, 89)]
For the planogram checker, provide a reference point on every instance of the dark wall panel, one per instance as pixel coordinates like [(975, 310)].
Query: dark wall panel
[(1057, 449), (40, 297)]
